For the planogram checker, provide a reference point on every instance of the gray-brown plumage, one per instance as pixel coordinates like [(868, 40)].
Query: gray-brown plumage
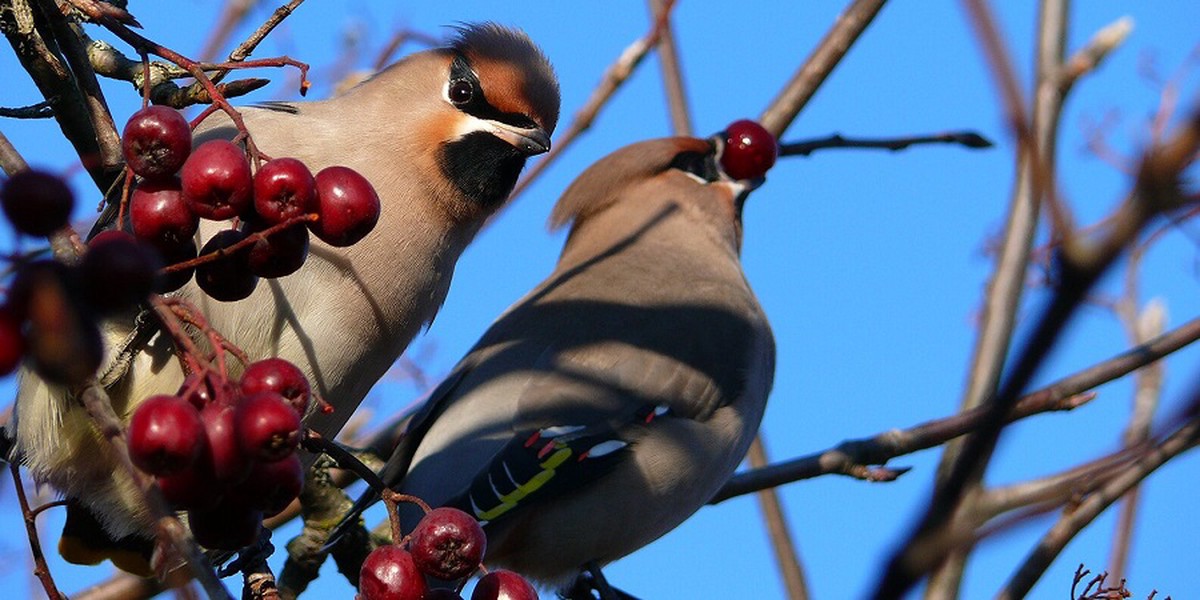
[(442, 135), (612, 401)]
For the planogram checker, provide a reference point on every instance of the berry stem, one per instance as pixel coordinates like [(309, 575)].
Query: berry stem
[(248, 241)]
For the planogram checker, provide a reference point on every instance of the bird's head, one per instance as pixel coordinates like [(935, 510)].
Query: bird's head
[(474, 111), (681, 171)]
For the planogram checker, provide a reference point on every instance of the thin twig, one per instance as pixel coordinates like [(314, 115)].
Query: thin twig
[(41, 110), (1036, 152), (109, 142), (786, 557), (791, 100), (11, 161), (55, 82), (232, 15), (969, 139), (672, 74), (613, 78), (1071, 522), (40, 569)]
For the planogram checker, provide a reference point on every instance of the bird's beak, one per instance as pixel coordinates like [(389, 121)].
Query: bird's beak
[(527, 140)]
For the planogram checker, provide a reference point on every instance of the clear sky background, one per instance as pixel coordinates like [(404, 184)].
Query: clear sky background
[(870, 265)]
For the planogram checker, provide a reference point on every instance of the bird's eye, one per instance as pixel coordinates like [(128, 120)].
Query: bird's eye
[(461, 91)]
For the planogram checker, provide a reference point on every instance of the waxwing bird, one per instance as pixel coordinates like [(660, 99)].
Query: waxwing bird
[(442, 135), (613, 400)]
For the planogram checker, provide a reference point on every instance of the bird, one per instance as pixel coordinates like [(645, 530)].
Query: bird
[(613, 400), (442, 135)]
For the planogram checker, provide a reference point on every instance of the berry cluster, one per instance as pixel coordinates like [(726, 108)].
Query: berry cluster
[(447, 545), (52, 308), (179, 186), (225, 451)]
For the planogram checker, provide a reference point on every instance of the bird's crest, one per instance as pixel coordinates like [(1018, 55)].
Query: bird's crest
[(601, 184)]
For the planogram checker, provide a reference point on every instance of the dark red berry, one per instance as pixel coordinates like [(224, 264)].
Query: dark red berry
[(63, 339), (750, 150), (441, 594), (12, 340), (279, 254), (230, 464), (228, 278), (225, 527), (160, 216), (271, 486), (171, 255), (201, 389), (347, 205), (389, 573), (284, 188), (279, 376), (36, 202), (268, 428), (165, 435), (118, 271), (502, 584), (448, 543), (217, 183), (195, 488), (156, 141)]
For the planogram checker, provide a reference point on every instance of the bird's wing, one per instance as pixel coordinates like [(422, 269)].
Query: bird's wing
[(578, 418), (397, 465)]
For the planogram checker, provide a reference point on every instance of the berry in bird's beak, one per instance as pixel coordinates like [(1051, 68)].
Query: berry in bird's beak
[(749, 150)]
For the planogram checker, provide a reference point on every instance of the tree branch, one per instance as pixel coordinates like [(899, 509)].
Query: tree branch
[(791, 100)]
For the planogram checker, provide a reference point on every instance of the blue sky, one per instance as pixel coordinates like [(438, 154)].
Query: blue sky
[(870, 265)]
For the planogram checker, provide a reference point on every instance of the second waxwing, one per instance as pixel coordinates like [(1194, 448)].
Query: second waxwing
[(614, 400), (442, 135)]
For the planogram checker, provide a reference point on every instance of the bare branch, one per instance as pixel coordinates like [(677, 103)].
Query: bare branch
[(11, 161), (613, 78), (786, 557), (968, 139), (41, 110), (40, 569), (791, 100), (55, 82), (672, 74), (1071, 522)]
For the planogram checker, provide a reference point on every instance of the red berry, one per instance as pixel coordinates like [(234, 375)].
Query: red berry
[(195, 488), (118, 271), (271, 486), (160, 216), (230, 464), (156, 141), (441, 594), (279, 254), (389, 573), (12, 340), (225, 527), (347, 205), (448, 543), (279, 376), (749, 151), (216, 180), (268, 428), (37, 203), (202, 389), (284, 188), (502, 584), (63, 339), (165, 435), (228, 278), (171, 255)]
